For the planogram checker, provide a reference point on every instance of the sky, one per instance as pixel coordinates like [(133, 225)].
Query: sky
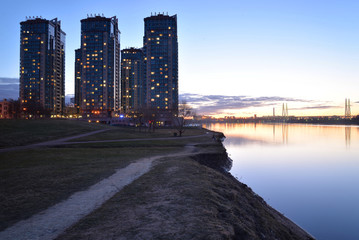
[(236, 57)]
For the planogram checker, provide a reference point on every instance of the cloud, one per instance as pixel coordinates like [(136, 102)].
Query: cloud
[(215, 104), (317, 107), (9, 88), (4, 80)]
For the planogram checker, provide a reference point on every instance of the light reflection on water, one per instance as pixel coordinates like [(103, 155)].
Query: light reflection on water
[(310, 173)]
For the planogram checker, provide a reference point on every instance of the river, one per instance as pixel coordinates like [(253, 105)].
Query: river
[(310, 173)]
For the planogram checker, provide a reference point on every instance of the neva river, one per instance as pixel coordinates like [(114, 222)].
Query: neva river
[(310, 173)]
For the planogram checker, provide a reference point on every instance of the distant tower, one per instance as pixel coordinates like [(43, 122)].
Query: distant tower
[(285, 110), (273, 112), (347, 108)]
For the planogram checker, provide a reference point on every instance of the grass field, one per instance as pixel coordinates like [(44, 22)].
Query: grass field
[(23, 132), (128, 133), (33, 180)]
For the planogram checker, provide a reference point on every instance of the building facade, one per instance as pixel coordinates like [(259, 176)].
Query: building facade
[(42, 67), (160, 47), (132, 81), (97, 67), (7, 109)]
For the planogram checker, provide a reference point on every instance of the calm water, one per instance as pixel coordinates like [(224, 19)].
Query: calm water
[(310, 173)]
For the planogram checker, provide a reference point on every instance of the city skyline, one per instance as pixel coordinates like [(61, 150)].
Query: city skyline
[(256, 55)]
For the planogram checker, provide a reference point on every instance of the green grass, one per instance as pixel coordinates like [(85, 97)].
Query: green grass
[(23, 132), (34, 180)]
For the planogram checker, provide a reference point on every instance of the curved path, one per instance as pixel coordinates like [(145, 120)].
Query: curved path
[(52, 222), (52, 142)]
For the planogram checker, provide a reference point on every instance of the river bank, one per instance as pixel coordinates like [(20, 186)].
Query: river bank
[(187, 198), (178, 197)]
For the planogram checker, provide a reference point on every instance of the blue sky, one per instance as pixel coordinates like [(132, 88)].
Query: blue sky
[(260, 49)]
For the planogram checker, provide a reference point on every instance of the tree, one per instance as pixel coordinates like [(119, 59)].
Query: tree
[(33, 108), (185, 112)]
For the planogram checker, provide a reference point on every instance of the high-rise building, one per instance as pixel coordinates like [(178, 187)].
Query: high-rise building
[(132, 80), (42, 66), (97, 67), (161, 59), (78, 67)]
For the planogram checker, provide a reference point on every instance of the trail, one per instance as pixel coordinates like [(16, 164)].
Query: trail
[(50, 143), (50, 223)]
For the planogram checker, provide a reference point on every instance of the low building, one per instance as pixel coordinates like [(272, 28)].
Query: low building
[(7, 109)]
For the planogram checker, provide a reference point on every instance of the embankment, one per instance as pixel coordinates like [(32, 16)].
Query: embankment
[(187, 198)]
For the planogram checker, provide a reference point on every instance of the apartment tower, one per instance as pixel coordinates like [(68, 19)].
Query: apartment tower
[(132, 81), (160, 47), (97, 67), (42, 67)]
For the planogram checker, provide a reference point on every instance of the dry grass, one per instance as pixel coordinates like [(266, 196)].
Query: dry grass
[(34, 180), (23, 132), (181, 199)]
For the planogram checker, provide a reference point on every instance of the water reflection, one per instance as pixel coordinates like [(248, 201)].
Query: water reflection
[(307, 172), (347, 136), (285, 133)]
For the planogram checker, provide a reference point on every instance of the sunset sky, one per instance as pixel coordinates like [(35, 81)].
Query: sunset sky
[(236, 57)]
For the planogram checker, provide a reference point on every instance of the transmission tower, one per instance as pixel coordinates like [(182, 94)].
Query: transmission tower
[(347, 108)]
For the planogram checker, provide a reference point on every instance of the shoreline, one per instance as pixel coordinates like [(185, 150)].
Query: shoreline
[(187, 198), (190, 196)]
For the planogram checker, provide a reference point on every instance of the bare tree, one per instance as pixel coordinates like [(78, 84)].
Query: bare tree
[(185, 112)]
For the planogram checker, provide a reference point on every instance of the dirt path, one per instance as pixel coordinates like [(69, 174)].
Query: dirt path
[(50, 223)]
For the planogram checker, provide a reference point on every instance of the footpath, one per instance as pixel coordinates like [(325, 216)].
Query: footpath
[(53, 221)]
